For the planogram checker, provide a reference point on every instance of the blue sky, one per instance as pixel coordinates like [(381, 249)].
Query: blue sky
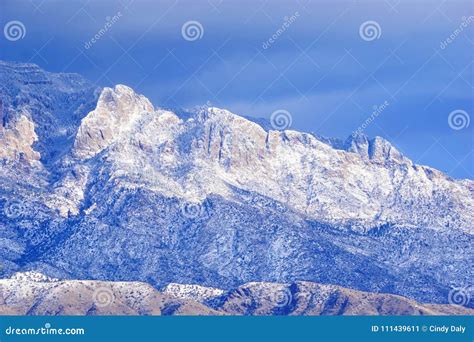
[(320, 68)]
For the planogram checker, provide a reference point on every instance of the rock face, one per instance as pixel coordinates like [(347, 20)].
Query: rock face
[(111, 120), (211, 198), (16, 144), (35, 294), (53, 103)]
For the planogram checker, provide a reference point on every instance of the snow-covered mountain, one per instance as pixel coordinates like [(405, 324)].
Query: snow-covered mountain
[(99, 184), (32, 293)]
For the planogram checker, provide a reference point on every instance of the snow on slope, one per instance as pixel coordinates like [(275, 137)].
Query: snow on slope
[(36, 294), (107, 187), (215, 148)]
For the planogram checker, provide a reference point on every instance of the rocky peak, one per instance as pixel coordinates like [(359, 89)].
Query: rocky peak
[(358, 143), (116, 111), (377, 149), (213, 148), (381, 150)]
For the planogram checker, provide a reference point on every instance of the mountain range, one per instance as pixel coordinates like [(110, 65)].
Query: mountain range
[(98, 184), (32, 293)]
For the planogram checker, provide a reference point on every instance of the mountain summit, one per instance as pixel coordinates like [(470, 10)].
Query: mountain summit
[(98, 184)]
